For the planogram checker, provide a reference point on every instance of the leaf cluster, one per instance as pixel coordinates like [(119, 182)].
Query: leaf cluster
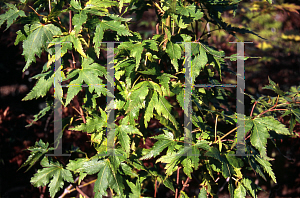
[(149, 74)]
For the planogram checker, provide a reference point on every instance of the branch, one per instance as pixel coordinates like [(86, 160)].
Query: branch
[(252, 108), (155, 187), (70, 21), (49, 1), (227, 180), (69, 190), (216, 128), (34, 11), (81, 192), (184, 185), (177, 181)]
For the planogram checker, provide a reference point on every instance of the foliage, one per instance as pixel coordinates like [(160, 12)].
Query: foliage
[(148, 73)]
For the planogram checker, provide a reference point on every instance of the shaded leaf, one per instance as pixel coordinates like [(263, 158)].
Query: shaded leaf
[(36, 41), (11, 15)]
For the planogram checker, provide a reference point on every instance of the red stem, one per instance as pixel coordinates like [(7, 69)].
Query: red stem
[(70, 21), (252, 108), (81, 192), (185, 185), (177, 181)]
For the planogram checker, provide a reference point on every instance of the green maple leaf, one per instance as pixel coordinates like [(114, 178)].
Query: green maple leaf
[(215, 53), (108, 24), (42, 86), (250, 186), (37, 151), (67, 40), (36, 41), (240, 191), (149, 110), (189, 11), (274, 125), (78, 20), (20, 36), (89, 74), (164, 81), (163, 108), (253, 161), (194, 153), (266, 166), (174, 52), (186, 10), (136, 52), (187, 155), (165, 140), (93, 166), (51, 170), (180, 98), (137, 96), (100, 4), (172, 159), (187, 167), (123, 132), (93, 124), (76, 4), (227, 169), (127, 170), (41, 114), (11, 15), (150, 44), (135, 188), (77, 165), (155, 87), (107, 178), (202, 193), (198, 63), (259, 136)]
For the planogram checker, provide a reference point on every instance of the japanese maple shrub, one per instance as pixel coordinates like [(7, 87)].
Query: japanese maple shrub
[(149, 79)]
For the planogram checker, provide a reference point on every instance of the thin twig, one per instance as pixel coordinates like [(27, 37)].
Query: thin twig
[(216, 128), (173, 27), (90, 182), (68, 189), (73, 65), (177, 181), (70, 21), (80, 186), (253, 108), (157, 28), (76, 110), (49, 6), (136, 80), (229, 133), (82, 115), (155, 187), (47, 121), (35, 11), (184, 185), (81, 192), (197, 29), (227, 180)]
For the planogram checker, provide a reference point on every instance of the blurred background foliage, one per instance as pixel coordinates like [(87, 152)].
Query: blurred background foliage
[(277, 55)]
